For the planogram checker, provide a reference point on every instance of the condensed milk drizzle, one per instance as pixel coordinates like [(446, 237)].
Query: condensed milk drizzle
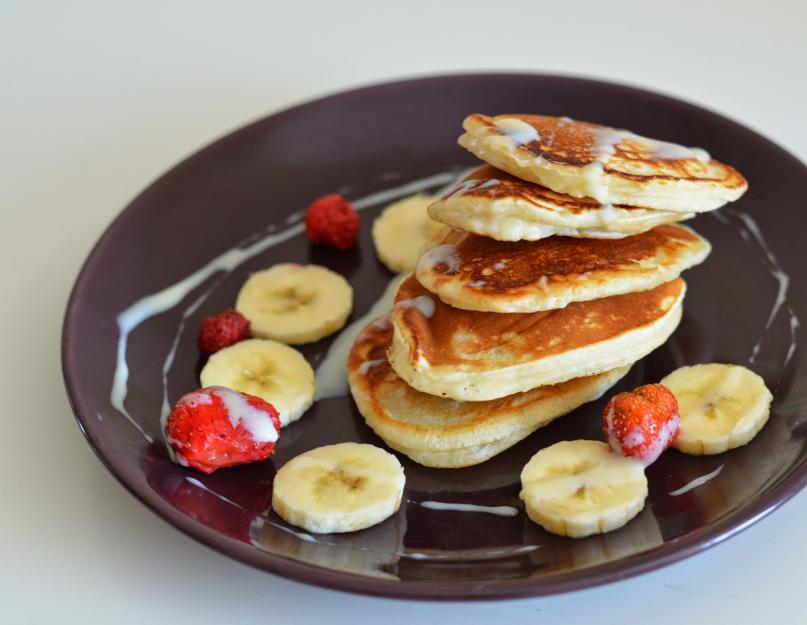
[(331, 375), (751, 233), (171, 297), (469, 507), (470, 184), (698, 481), (550, 140), (605, 141), (445, 254), (257, 525), (518, 132), (423, 303), (604, 144)]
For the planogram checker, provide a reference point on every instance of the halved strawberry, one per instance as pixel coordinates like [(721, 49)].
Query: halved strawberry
[(217, 427)]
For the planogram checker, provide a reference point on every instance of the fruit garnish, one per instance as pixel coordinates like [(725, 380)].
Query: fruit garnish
[(332, 220), (216, 427), (267, 369), (402, 230), (641, 423), (722, 406), (579, 488), (221, 330), (295, 303), (338, 488)]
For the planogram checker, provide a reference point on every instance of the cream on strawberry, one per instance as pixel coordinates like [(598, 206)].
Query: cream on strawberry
[(642, 423), (218, 427)]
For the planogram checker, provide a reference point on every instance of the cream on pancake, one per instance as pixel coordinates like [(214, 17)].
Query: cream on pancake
[(477, 273), (610, 165), (439, 432), (490, 202), (474, 356)]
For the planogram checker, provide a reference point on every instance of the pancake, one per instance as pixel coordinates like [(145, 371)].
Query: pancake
[(610, 165), (477, 273), (440, 432), (492, 203), (474, 356)]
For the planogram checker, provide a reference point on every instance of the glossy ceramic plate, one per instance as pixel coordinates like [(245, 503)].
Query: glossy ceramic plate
[(189, 241)]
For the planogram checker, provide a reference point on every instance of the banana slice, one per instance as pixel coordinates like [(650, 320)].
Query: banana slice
[(720, 406), (579, 488), (295, 303), (271, 370), (401, 231), (339, 488)]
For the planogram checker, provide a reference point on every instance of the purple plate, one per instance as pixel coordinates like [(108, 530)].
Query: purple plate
[(193, 236)]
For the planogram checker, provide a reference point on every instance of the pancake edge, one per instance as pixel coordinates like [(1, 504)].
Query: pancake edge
[(464, 385), (607, 186), (452, 292)]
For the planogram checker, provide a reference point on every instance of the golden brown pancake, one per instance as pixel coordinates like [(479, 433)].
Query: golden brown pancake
[(474, 356), (490, 202), (611, 165), (478, 273), (440, 432)]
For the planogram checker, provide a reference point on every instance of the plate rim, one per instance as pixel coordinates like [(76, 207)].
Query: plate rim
[(786, 487)]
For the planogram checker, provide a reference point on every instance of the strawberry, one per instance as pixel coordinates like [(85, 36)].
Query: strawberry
[(221, 330), (217, 427), (642, 423), (332, 220)]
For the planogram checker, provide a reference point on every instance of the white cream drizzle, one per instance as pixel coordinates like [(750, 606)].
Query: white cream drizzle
[(417, 555), (562, 121), (461, 188), (604, 143), (413, 555), (606, 214), (751, 231), (258, 522), (257, 422), (595, 182), (661, 442), (607, 139), (294, 217), (170, 297), (423, 303), (782, 279), (517, 131), (469, 507), (331, 375), (699, 481), (198, 484), (490, 182), (169, 359), (370, 364), (445, 254)]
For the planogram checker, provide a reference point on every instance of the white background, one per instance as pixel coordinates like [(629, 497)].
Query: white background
[(96, 100)]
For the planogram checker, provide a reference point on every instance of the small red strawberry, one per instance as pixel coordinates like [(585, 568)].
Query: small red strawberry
[(221, 330), (332, 220), (217, 427), (642, 423)]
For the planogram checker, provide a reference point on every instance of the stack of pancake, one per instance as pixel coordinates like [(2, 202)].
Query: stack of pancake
[(558, 272)]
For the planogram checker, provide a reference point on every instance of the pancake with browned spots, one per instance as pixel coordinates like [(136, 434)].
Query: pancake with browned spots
[(477, 273), (474, 356), (439, 432), (612, 166), (490, 202)]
